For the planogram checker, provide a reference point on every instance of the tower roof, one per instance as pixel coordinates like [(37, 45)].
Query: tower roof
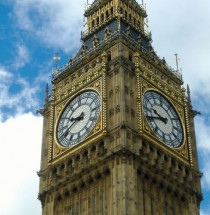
[(107, 24), (98, 3)]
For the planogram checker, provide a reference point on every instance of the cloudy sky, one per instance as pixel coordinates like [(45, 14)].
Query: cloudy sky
[(31, 31)]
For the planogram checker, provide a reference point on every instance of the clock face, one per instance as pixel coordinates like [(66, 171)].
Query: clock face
[(163, 119), (78, 118)]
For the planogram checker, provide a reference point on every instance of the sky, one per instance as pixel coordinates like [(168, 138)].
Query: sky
[(31, 31)]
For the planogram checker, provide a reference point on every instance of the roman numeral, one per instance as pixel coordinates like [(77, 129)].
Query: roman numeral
[(71, 137), (171, 141), (93, 118), (62, 128), (95, 108), (164, 137), (161, 102), (177, 129), (174, 119), (61, 138), (174, 135), (146, 108), (156, 129)]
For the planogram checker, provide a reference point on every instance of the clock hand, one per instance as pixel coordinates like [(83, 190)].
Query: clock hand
[(67, 130), (165, 120), (74, 120), (80, 117), (155, 117)]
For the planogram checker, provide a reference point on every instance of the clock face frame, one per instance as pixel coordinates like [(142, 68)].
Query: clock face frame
[(78, 118), (163, 119)]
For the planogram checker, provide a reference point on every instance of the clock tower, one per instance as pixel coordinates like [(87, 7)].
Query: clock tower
[(118, 131)]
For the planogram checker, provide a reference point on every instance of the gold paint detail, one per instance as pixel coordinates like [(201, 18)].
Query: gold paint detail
[(55, 150), (180, 152), (188, 135), (159, 80), (50, 141)]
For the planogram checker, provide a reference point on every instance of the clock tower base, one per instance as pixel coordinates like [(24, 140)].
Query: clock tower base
[(123, 184)]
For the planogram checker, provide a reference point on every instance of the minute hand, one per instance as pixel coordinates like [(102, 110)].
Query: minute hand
[(155, 117), (161, 118), (67, 130)]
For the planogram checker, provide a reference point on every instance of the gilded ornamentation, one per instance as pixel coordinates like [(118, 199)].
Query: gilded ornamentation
[(179, 152), (122, 153), (59, 106)]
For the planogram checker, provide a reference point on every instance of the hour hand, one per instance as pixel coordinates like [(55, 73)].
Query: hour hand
[(165, 120), (155, 117), (80, 117)]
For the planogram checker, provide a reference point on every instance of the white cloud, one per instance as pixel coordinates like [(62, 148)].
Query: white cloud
[(55, 23), (20, 158), (16, 94), (203, 141), (4, 74), (177, 26), (204, 212), (22, 56), (181, 26)]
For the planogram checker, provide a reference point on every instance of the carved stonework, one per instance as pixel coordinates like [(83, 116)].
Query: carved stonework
[(121, 166)]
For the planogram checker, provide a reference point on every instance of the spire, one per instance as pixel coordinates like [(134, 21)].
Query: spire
[(189, 97), (46, 95), (41, 111)]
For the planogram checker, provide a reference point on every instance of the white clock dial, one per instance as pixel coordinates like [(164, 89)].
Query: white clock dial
[(78, 118), (163, 119)]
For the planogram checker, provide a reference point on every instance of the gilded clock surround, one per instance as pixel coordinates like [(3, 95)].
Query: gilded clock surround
[(146, 80), (182, 150), (95, 133), (97, 128), (121, 167)]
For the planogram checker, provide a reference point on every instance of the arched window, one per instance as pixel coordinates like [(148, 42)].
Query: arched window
[(130, 56), (130, 17), (109, 58), (102, 18), (107, 14), (112, 11), (93, 23), (126, 14)]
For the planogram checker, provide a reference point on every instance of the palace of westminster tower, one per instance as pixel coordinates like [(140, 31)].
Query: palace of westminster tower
[(118, 130)]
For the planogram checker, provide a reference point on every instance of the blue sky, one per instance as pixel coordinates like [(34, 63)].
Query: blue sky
[(31, 31)]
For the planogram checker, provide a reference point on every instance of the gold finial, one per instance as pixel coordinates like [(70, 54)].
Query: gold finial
[(177, 61), (147, 25), (144, 5), (56, 59), (87, 5)]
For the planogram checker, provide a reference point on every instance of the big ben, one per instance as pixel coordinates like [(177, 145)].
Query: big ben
[(118, 131)]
